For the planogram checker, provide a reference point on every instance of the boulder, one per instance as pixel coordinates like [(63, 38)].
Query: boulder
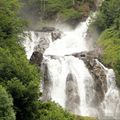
[(43, 43), (72, 96), (99, 76), (56, 35), (36, 58), (46, 83), (95, 54), (45, 37), (47, 29), (97, 71)]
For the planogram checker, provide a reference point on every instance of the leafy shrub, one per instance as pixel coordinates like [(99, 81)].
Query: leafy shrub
[(110, 42), (6, 106), (108, 15)]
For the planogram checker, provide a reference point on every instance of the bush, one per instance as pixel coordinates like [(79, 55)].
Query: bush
[(16, 65), (108, 15), (6, 106), (52, 111), (110, 42)]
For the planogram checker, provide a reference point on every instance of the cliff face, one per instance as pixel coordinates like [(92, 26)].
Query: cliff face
[(97, 71), (73, 99)]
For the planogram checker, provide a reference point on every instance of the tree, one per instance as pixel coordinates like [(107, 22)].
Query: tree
[(10, 24), (6, 106), (52, 111), (110, 42), (15, 65), (108, 15), (22, 81)]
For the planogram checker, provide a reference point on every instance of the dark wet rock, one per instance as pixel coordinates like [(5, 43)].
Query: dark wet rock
[(72, 96), (56, 35), (43, 43), (99, 76), (95, 54), (47, 29), (97, 71), (44, 38), (46, 83), (36, 58)]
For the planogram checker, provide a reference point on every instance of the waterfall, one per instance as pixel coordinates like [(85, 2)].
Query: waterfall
[(68, 81), (111, 103), (32, 39), (71, 42)]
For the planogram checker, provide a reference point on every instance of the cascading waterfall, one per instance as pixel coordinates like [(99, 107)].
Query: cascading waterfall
[(32, 39), (71, 83), (72, 42)]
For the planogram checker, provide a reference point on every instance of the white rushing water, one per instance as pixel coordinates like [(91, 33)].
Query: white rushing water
[(71, 42), (32, 39), (111, 103), (63, 63)]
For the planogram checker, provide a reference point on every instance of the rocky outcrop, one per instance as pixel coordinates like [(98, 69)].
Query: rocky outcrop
[(36, 58), (46, 83), (99, 76), (43, 42), (95, 54), (47, 29), (56, 35), (97, 71), (45, 37), (98, 3), (72, 96)]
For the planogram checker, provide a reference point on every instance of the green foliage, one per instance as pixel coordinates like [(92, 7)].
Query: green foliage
[(6, 104), (10, 23), (54, 6), (70, 14), (85, 118), (52, 111), (108, 15), (25, 98), (110, 42), (69, 11), (16, 65), (21, 80), (108, 22)]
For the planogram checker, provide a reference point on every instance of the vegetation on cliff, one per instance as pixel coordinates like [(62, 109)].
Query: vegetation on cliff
[(39, 12), (6, 106), (108, 23)]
